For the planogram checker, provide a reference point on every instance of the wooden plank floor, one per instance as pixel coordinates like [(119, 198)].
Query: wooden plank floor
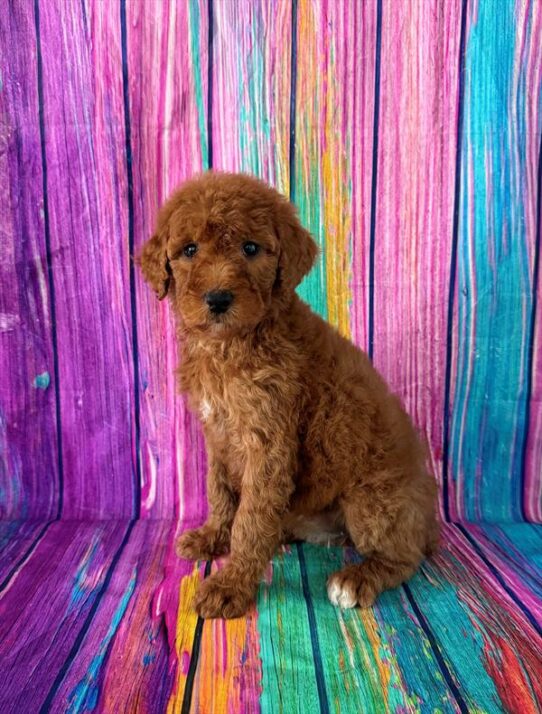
[(97, 617)]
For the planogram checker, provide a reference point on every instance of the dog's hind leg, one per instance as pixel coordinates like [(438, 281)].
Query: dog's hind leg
[(393, 551), (360, 584)]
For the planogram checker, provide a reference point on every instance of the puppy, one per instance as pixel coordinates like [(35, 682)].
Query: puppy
[(304, 439)]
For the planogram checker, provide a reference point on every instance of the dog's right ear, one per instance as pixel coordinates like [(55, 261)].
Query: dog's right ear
[(155, 264)]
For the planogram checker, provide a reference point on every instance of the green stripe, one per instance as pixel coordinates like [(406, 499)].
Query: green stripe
[(288, 674)]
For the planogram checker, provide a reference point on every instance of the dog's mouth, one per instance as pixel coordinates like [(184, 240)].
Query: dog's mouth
[(218, 323), (215, 324)]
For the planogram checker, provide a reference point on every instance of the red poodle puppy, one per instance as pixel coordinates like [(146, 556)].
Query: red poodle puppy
[(304, 439)]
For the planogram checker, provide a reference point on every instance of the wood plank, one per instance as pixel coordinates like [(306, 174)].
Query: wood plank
[(251, 89), (29, 467), (333, 153), (124, 661), (18, 539), (86, 183), (532, 459), (167, 85), (47, 603), (419, 90), (497, 232)]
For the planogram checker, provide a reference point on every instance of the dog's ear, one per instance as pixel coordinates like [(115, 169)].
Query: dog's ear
[(298, 251), (154, 263)]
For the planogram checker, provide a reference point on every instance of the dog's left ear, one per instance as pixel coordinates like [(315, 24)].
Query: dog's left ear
[(154, 263), (298, 251)]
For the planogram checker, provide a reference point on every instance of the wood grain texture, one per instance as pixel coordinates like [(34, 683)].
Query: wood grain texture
[(124, 662), (435, 644), (169, 143), (45, 619), (496, 247), (333, 153), (532, 453), (414, 207), (84, 151), (294, 92), (82, 630), (251, 88), (28, 421)]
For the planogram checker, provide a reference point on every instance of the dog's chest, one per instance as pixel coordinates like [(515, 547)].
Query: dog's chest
[(224, 423), (216, 416), (222, 395), (224, 434), (218, 412)]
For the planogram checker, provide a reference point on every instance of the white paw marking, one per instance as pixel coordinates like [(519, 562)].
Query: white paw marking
[(342, 596), (205, 409)]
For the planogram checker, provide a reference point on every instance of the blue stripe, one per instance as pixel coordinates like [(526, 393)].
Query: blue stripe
[(374, 181), (493, 272), (133, 305), (49, 261), (320, 681), (453, 267), (436, 651)]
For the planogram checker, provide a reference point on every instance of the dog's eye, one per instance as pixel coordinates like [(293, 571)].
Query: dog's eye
[(250, 249), (190, 250)]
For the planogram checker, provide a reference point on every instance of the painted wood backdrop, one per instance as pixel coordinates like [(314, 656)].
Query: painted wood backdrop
[(408, 132)]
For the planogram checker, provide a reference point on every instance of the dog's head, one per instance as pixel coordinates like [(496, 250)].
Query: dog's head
[(228, 249)]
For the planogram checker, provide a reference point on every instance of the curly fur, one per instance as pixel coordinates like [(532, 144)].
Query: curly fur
[(304, 439)]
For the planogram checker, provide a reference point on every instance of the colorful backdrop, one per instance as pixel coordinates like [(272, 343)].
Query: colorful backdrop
[(408, 133)]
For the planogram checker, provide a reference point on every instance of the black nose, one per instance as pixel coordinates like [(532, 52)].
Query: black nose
[(219, 301)]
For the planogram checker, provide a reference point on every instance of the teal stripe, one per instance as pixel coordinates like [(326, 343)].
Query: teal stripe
[(458, 634), (315, 640), (519, 547), (288, 673), (254, 124), (378, 660), (494, 290), (195, 54), (308, 200)]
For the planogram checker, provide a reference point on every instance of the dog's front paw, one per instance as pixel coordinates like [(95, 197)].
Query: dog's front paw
[(220, 595), (201, 544)]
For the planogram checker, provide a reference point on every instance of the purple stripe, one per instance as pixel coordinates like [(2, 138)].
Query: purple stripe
[(45, 707), (47, 602), (90, 263), (49, 260), (7, 554), (29, 461)]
